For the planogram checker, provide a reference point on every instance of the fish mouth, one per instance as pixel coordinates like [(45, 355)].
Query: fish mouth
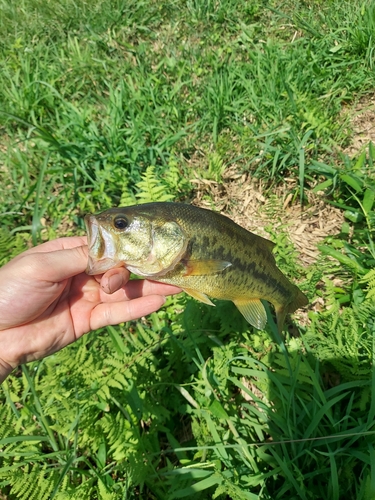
[(100, 248), (92, 230)]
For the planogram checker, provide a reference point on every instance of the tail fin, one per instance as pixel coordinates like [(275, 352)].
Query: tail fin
[(300, 300)]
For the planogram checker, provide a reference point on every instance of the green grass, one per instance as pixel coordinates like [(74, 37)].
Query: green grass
[(118, 102)]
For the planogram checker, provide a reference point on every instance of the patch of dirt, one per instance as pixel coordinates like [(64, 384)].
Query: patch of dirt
[(243, 199), (361, 117), (246, 200)]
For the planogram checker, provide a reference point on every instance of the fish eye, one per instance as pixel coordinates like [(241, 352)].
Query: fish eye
[(120, 222)]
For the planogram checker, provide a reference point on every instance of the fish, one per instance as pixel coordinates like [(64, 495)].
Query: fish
[(201, 251)]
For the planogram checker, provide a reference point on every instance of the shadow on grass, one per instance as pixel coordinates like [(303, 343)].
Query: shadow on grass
[(272, 425), (200, 406)]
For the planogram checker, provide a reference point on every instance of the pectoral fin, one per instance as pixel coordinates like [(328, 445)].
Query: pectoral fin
[(253, 311), (202, 297), (205, 267)]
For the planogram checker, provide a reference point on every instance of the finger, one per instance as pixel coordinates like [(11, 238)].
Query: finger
[(140, 288), (114, 279), (119, 312), (154, 287), (97, 277), (55, 266), (59, 244)]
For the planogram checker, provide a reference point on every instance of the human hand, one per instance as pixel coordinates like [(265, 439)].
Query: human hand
[(47, 301)]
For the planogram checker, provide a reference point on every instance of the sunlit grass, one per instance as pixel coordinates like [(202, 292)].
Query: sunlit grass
[(127, 101)]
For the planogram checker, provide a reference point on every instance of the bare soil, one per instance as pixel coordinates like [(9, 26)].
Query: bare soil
[(361, 119), (250, 203)]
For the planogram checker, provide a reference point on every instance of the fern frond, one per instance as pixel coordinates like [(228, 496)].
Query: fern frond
[(369, 280), (6, 419), (104, 494), (86, 397), (127, 198), (342, 337), (365, 312), (174, 179), (172, 176), (85, 490), (151, 188), (34, 482)]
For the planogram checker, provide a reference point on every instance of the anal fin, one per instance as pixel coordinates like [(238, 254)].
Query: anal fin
[(253, 311), (202, 297)]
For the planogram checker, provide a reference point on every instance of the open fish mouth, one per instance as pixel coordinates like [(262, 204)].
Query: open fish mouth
[(101, 248), (92, 231)]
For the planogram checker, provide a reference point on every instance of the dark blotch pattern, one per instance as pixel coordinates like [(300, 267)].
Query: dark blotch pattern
[(212, 236)]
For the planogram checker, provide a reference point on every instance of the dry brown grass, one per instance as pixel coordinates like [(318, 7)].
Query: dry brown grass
[(361, 118)]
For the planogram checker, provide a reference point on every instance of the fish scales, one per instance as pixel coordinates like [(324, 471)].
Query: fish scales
[(227, 241), (203, 252)]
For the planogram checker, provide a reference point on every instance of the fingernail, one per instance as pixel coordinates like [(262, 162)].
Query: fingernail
[(114, 283)]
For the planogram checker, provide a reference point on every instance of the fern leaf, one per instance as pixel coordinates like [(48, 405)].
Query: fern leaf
[(104, 494), (342, 338), (151, 188), (369, 280), (35, 482), (127, 198)]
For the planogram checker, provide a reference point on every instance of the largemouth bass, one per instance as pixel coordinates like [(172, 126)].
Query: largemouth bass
[(204, 253)]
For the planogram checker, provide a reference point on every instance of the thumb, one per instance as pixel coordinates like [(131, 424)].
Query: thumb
[(56, 265)]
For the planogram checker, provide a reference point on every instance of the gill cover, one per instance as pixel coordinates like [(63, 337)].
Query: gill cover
[(167, 246)]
